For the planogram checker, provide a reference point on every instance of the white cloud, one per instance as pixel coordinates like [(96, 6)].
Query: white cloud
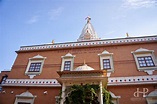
[(33, 19), (139, 3), (54, 13)]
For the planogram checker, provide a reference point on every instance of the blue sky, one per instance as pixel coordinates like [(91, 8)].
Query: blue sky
[(32, 22)]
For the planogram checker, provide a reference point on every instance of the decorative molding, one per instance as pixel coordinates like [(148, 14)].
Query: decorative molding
[(149, 72), (108, 74), (138, 91), (132, 80), (31, 76), (90, 43), (141, 52), (109, 56), (112, 81), (32, 82), (36, 59)]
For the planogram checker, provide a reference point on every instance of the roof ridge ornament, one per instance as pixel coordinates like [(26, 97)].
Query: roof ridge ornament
[(88, 33), (88, 18), (84, 62)]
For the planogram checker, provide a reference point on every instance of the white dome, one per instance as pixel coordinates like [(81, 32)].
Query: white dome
[(84, 67)]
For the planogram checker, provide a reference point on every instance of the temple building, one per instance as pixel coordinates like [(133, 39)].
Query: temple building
[(127, 67)]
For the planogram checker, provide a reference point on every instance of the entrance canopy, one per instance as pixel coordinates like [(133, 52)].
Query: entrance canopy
[(82, 75)]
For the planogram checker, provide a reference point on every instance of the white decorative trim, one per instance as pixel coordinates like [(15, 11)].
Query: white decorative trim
[(106, 55), (141, 52), (90, 43), (25, 97), (149, 72), (68, 57), (35, 59), (152, 97), (32, 82), (108, 74), (132, 80), (31, 76), (113, 95)]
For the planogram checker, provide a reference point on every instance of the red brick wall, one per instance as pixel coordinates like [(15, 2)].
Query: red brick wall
[(122, 56), (127, 93), (8, 98), (124, 65)]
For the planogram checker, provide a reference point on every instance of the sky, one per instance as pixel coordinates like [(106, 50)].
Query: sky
[(36, 22)]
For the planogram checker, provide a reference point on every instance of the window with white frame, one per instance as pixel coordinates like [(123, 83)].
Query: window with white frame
[(67, 62), (106, 64), (67, 65), (4, 78), (35, 65), (106, 61), (145, 60), (25, 98)]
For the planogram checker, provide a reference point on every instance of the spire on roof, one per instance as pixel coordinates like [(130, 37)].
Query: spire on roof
[(88, 32), (88, 19)]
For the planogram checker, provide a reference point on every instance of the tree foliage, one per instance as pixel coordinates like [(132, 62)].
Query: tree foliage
[(86, 94)]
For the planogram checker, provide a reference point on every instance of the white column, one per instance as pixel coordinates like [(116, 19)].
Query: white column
[(101, 94), (63, 93)]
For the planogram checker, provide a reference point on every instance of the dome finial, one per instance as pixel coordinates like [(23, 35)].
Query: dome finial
[(84, 62), (88, 18)]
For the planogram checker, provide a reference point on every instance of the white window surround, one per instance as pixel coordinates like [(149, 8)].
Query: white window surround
[(67, 65), (67, 57), (106, 55), (141, 52), (115, 99), (35, 59), (25, 97), (152, 97)]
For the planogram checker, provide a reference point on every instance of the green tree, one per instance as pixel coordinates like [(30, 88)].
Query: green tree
[(86, 94)]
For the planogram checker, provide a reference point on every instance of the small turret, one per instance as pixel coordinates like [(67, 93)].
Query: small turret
[(88, 32)]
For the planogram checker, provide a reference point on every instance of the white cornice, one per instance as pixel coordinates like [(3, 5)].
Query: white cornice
[(132, 80), (90, 43), (112, 81), (32, 82)]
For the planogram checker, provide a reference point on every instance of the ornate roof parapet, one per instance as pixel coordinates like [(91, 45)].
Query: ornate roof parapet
[(88, 32), (105, 42)]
